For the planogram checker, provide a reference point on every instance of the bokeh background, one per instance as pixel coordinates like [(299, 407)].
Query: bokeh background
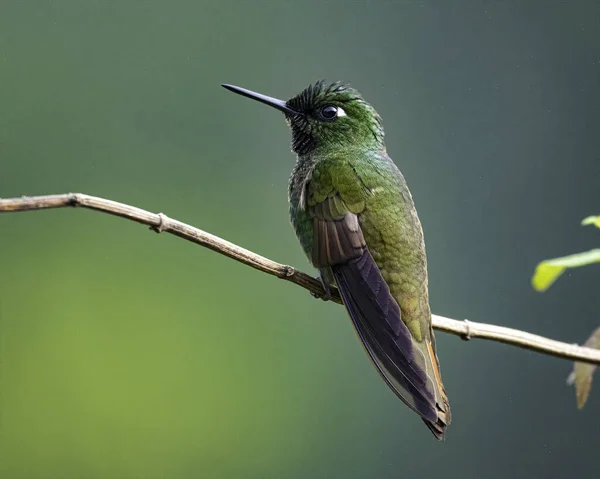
[(126, 354)]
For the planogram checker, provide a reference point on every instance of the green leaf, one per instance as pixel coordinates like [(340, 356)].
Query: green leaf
[(582, 373), (548, 271), (591, 220)]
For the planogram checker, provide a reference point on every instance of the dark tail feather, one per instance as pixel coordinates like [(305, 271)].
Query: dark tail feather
[(438, 428)]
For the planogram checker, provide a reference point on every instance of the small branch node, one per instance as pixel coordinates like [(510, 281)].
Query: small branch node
[(73, 199), (289, 271), (162, 225), (467, 335)]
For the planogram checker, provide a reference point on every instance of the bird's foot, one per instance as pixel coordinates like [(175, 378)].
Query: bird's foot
[(327, 295)]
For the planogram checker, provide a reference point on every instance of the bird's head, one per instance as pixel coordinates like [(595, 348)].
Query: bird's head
[(326, 116)]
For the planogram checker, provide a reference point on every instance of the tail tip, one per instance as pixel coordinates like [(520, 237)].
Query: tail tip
[(438, 428)]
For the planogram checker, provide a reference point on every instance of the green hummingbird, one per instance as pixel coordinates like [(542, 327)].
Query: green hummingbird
[(356, 221)]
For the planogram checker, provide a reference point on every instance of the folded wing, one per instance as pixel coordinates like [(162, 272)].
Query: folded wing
[(339, 246)]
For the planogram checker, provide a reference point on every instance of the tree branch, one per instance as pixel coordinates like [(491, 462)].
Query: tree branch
[(161, 223)]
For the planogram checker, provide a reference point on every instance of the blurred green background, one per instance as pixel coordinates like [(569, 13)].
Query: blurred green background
[(125, 354)]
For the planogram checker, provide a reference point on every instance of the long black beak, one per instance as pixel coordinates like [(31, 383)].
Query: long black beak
[(267, 100)]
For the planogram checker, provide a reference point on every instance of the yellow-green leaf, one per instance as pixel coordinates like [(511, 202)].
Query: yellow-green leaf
[(582, 373), (546, 274), (548, 271), (591, 220)]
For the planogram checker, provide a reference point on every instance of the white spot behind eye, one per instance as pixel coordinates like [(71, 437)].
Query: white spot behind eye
[(340, 112)]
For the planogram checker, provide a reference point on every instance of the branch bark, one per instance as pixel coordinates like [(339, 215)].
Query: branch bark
[(162, 223)]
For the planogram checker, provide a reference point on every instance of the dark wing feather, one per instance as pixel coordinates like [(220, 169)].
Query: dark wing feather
[(338, 243), (377, 319), (336, 240)]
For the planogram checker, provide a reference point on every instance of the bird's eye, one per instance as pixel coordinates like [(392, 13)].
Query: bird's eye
[(329, 112)]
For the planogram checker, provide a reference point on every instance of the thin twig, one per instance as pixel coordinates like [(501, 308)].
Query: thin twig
[(161, 223)]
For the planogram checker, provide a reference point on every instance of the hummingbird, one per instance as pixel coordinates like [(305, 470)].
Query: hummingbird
[(356, 221)]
